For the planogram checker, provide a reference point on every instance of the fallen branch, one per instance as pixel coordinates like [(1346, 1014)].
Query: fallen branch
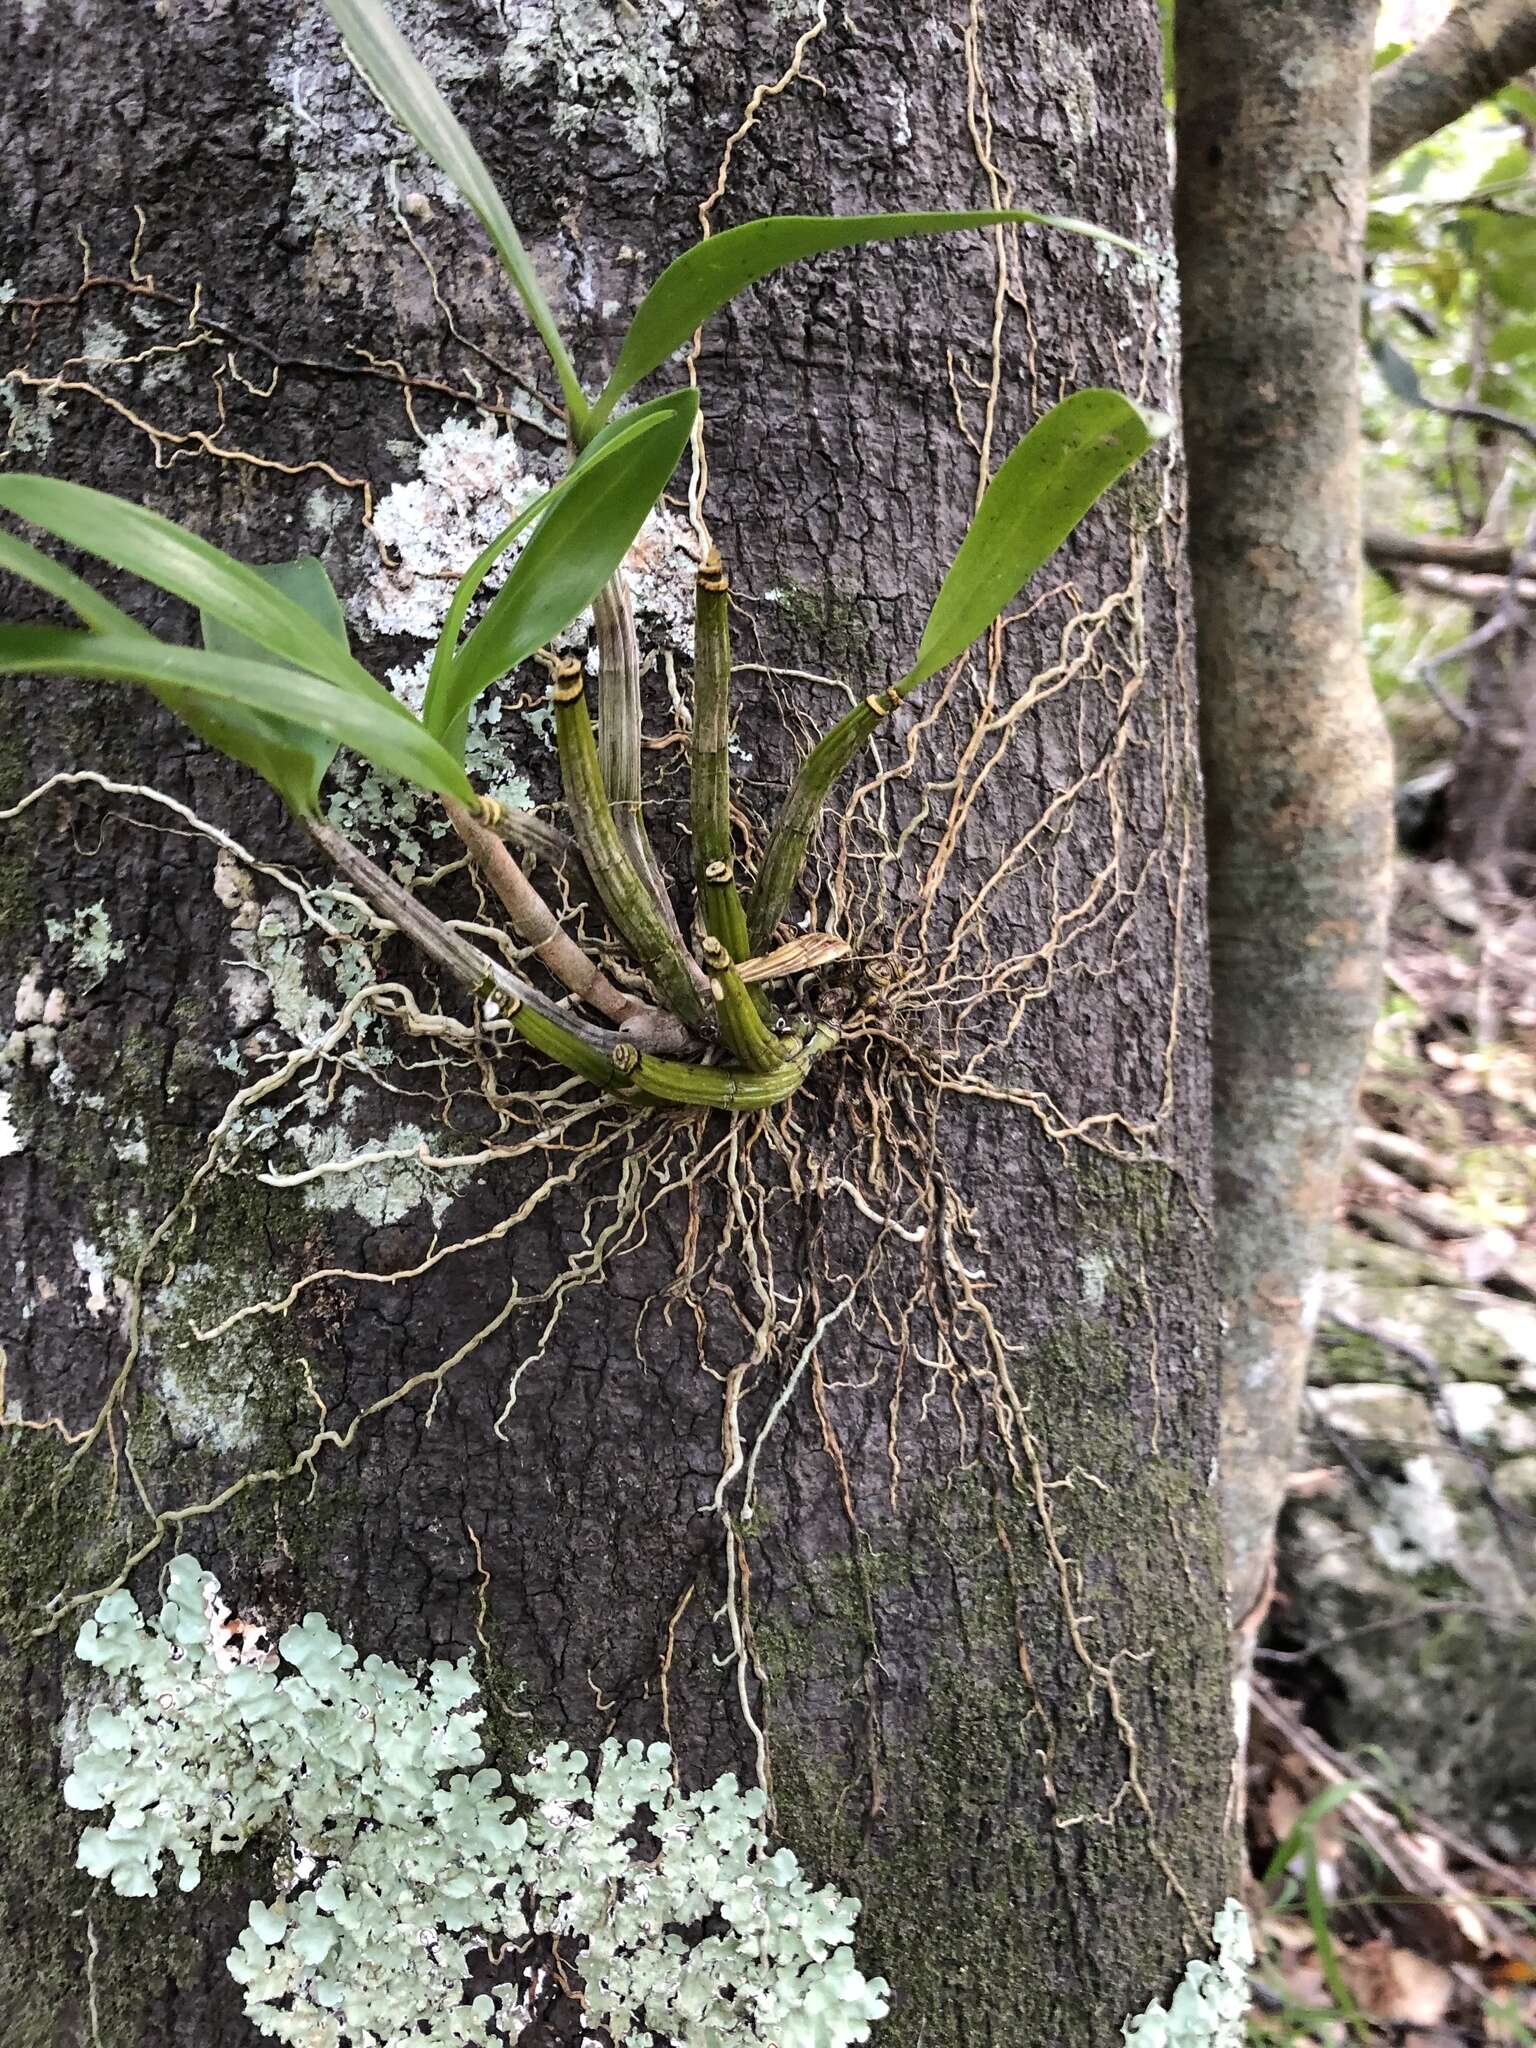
[(1389, 1840)]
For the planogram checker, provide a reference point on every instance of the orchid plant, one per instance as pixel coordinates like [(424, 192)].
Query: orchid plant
[(275, 684)]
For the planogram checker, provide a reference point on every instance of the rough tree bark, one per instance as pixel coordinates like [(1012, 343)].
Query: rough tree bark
[(1272, 109), (1479, 47), (948, 1317)]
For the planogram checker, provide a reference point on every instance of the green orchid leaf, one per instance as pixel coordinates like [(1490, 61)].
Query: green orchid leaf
[(293, 758), (162, 553), (575, 548), (383, 733), (392, 68), (19, 558), (644, 420), (1060, 469), (711, 273)]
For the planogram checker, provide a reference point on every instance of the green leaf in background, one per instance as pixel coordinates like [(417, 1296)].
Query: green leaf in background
[(435, 716), (712, 272), (1503, 246), (1061, 468), (293, 758), (391, 67), (1397, 373), (385, 734), (166, 555), (575, 548)]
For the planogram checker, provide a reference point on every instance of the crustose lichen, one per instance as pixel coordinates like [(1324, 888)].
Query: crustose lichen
[(402, 1857)]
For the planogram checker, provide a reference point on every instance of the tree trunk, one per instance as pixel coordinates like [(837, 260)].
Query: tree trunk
[(1491, 811), (866, 1444), (1272, 124)]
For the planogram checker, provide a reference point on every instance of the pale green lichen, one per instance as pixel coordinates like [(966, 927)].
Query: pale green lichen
[(335, 133), (1210, 2005), (615, 67), (390, 1182), (206, 1396), (1094, 1270), (92, 947), (104, 344), (29, 425), (402, 1858)]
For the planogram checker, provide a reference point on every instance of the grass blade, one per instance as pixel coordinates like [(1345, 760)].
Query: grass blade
[(392, 68)]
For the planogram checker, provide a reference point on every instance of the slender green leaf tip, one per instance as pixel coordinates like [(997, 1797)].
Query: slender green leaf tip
[(160, 552), (407, 89), (1055, 475)]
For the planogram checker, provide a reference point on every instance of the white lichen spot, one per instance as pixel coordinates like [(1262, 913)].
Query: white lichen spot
[(96, 1276), (92, 947), (471, 482), (235, 889), (1209, 2007), (388, 1180), (29, 999), (1094, 1270), (901, 126), (11, 1140), (1073, 98), (337, 135)]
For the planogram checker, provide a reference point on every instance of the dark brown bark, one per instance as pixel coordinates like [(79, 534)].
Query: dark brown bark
[(1448, 551), (1491, 801), (961, 1288), (1272, 109)]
